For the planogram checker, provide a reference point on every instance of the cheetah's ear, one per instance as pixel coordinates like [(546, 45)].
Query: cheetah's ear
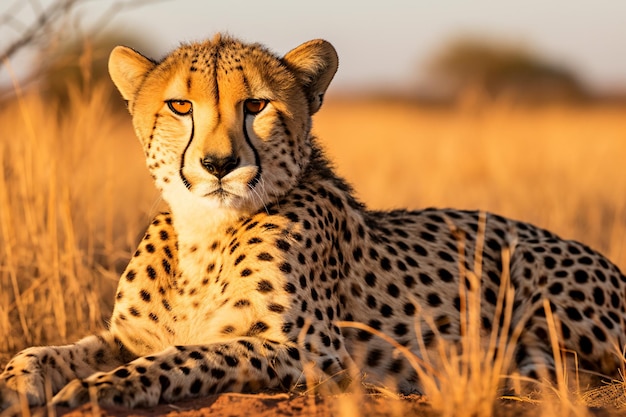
[(128, 68), (315, 63)]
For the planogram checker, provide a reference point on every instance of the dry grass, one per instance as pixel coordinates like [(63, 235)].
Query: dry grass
[(73, 201), (75, 196)]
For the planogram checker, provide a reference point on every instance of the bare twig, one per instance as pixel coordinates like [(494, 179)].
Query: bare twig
[(46, 20)]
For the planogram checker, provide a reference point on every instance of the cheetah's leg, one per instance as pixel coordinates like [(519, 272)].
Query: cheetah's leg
[(29, 370), (247, 364)]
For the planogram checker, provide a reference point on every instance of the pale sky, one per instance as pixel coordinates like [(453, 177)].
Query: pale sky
[(387, 42)]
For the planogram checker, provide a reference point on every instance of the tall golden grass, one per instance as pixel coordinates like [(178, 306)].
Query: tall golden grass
[(75, 196), (74, 199)]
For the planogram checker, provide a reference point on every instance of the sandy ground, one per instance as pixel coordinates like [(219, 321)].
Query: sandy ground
[(262, 405)]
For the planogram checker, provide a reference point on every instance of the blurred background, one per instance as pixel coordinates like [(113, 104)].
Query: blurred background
[(516, 107)]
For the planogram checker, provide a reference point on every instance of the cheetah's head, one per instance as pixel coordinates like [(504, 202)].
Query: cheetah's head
[(225, 124)]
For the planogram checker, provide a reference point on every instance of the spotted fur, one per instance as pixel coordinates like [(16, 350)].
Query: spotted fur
[(266, 249)]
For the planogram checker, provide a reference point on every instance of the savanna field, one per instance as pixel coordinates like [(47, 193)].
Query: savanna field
[(75, 196)]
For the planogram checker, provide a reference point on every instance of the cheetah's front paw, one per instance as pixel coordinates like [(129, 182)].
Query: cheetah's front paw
[(107, 390), (9, 398), (29, 384)]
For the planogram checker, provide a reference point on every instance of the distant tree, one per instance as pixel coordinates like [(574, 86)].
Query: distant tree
[(501, 69)]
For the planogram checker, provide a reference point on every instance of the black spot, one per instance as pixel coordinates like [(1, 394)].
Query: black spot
[(370, 279), (577, 295), (396, 366), (256, 328), (285, 267), (130, 275), (145, 381), (194, 354), (429, 237), (165, 382), (529, 257), (556, 288), (283, 245), (385, 264), (433, 300), (357, 254), (615, 301), (375, 324), (275, 308), (287, 381), (573, 313), (294, 353), (151, 272), (166, 266), (608, 323), (599, 333), (585, 345), (241, 303), (386, 310), (443, 324), (598, 296), (264, 286), (393, 290), (445, 275), (400, 329), (217, 373), (264, 256), (122, 373), (145, 295), (581, 276), (364, 335), (549, 262), (239, 259), (445, 256), (231, 361), (196, 386), (255, 362), (249, 346), (409, 281), (373, 357), (491, 296), (409, 309), (419, 249), (246, 272)]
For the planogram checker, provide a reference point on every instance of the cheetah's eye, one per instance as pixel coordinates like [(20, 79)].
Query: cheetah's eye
[(254, 105), (180, 107)]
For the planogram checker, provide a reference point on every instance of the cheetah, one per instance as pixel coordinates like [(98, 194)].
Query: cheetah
[(244, 284)]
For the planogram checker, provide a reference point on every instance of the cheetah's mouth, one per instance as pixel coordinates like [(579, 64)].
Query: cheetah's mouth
[(234, 189), (221, 194)]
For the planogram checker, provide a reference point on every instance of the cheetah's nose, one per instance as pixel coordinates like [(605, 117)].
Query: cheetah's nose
[(219, 166)]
